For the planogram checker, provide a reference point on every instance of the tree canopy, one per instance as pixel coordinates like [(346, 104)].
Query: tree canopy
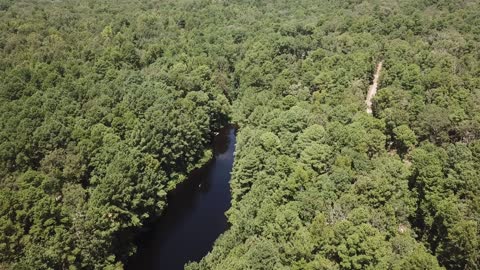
[(106, 105)]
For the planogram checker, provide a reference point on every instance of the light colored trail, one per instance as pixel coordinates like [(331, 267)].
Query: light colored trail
[(372, 90)]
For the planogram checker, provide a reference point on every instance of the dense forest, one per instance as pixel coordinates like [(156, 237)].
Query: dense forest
[(102, 112), (106, 105)]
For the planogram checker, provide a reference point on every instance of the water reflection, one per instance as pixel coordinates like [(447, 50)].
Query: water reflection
[(194, 217)]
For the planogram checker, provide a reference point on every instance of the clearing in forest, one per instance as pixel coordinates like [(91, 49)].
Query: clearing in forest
[(372, 90)]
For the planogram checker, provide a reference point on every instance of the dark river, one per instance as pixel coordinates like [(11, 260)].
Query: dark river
[(194, 217)]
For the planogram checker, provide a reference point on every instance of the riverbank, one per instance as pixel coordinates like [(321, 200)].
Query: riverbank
[(194, 217)]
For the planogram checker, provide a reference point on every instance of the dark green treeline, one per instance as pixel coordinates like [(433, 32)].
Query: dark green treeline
[(106, 105)]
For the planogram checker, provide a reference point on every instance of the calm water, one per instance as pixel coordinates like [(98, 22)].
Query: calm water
[(195, 215)]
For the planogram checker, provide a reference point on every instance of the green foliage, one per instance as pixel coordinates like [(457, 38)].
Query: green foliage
[(105, 106), (95, 129), (329, 185), (404, 138)]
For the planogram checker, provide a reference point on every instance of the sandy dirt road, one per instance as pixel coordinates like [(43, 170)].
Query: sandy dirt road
[(372, 90)]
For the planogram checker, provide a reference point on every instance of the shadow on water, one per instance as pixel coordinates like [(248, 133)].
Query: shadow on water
[(194, 217)]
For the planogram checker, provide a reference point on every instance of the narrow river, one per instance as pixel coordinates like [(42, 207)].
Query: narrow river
[(195, 215)]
